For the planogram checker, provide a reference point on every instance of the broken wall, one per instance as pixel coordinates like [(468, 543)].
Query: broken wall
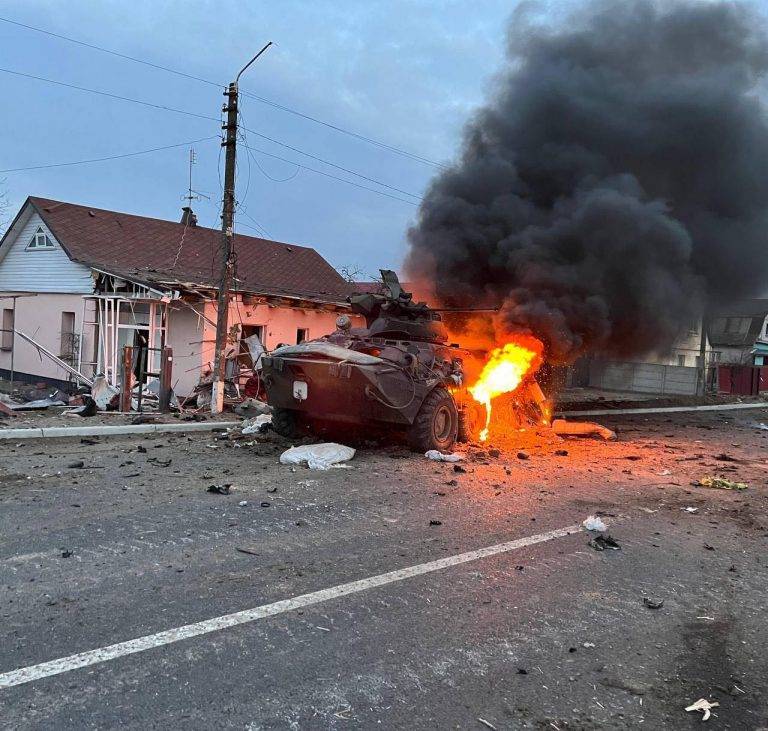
[(193, 339), (40, 317)]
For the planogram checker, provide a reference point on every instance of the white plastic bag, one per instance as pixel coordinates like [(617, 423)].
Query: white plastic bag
[(318, 456), (594, 523), (437, 456), (253, 426)]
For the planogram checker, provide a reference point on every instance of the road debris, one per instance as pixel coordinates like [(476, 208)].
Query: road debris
[(690, 509), (485, 723), (564, 428), (220, 489), (317, 456), (435, 522), (594, 523), (437, 456), (523, 455), (723, 457), (242, 504), (653, 603), (704, 706), (720, 483), (257, 425), (604, 542)]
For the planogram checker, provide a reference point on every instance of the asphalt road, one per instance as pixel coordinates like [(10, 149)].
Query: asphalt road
[(553, 635)]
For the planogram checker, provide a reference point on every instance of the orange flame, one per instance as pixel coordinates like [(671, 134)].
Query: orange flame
[(504, 371)]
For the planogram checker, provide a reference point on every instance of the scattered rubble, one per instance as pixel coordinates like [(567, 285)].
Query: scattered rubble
[(604, 542), (653, 603), (721, 483), (257, 425), (564, 428), (704, 706), (438, 456)]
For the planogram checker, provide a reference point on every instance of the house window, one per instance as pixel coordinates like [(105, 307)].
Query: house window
[(681, 360), (302, 334), (68, 347), (6, 342), (40, 241)]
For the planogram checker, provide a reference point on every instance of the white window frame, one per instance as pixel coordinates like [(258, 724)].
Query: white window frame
[(41, 235)]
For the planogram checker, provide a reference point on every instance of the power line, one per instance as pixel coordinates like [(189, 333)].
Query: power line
[(262, 100), (251, 150), (110, 157), (331, 164), (363, 138), (110, 95), (185, 112)]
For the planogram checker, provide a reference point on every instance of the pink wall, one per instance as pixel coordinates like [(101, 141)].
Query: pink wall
[(193, 339), (40, 318)]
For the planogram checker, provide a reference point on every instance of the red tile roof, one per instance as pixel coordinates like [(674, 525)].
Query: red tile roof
[(144, 249)]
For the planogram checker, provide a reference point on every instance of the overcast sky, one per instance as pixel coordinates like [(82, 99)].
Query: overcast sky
[(405, 72)]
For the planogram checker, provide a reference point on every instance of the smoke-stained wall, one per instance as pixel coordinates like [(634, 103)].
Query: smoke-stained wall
[(616, 181)]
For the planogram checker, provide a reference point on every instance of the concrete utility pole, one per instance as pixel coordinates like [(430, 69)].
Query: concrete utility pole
[(227, 233)]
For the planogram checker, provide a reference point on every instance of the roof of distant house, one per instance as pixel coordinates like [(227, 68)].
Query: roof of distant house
[(159, 252), (738, 324)]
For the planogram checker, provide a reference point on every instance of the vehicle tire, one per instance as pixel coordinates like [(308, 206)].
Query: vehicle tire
[(285, 422), (464, 433), (437, 423)]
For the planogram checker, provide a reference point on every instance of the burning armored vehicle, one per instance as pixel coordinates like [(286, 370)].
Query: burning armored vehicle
[(399, 372)]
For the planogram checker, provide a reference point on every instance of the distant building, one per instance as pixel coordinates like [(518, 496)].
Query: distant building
[(738, 333), (100, 280)]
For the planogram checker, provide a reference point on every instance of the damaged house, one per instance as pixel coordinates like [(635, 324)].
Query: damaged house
[(739, 333), (81, 283)]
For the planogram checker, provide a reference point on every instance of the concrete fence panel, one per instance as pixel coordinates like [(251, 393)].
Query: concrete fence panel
[(643, 378)]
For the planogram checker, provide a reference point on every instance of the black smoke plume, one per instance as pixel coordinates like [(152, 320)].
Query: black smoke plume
[(616, 182)]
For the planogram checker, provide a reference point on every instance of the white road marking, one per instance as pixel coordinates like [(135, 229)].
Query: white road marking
[(148, 642)]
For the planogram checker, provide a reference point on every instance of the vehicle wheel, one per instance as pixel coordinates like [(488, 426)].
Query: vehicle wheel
[(285, 422), (436, 424), (469, 423)]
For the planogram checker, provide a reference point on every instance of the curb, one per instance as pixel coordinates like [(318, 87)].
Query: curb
[(663, 409), (107, 431)]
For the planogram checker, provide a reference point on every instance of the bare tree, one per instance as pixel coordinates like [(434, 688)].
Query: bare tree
[(356, 274)]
